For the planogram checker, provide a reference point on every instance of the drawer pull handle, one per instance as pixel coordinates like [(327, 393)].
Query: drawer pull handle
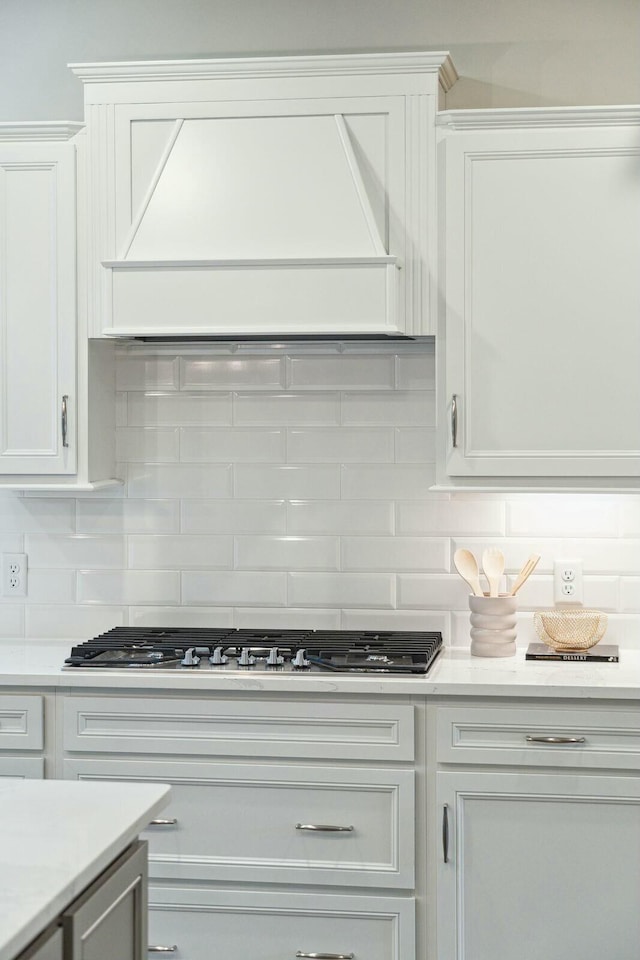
[(162, 822), (327, 956), (326, 828), (556, 740), (445, 833), (161, 949)]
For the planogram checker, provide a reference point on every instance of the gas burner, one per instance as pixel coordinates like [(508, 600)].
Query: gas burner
[(383, 653)]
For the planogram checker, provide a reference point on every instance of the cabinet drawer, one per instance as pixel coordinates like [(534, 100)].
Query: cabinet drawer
[(558, 737), (22, 768), (21, 722), (245, 822), (275, 926), (217, 727)]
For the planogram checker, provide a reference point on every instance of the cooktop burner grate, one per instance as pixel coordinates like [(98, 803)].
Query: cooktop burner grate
[(382, 652)]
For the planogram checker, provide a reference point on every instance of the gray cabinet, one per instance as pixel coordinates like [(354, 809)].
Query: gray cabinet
[(48, 946)]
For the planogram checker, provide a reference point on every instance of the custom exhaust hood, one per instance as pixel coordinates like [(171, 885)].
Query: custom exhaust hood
[(259, 198)]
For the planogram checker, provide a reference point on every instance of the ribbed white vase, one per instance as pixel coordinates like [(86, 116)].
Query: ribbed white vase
[(493, 626)]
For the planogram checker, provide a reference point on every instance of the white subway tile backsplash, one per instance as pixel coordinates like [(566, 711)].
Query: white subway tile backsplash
[(180, 552), (395, 553), (287, 553), (341, 372), (373, 590), (19, 515), (181, 480), (448, 517), (74, 622), (399, 409), (236, 445), (286, 409), (147, 373), (128, 516), (81, 550), (180, 409), (563, 515), (234, 516), (417, 372), (342, 517), (387, 481), (180, 617), (287, 619), (237, 373), (415, 444), (147, 444), (128, 586), (340, 445), (234, 589), (290, 488), (321, 481)]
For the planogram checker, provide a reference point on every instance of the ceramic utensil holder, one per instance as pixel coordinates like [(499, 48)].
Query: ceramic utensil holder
[(493, 626)]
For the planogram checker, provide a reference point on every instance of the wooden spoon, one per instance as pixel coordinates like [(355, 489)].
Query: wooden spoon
[(525, 573), (493, 566), (467, 566)]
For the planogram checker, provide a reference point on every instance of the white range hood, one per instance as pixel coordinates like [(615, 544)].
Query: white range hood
[(242, 198)]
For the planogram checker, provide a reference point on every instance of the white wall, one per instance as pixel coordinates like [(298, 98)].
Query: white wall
[(508, 52), (291, 489)]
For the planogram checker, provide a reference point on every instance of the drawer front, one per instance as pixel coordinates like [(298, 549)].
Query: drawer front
[(22, 768), (279, 926), (246, 822), (558, 737), (21, 722), (216, 727)]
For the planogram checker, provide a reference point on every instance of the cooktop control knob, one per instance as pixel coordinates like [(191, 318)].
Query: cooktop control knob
[(300, 661), (245, 659), (274, 659), (190, 658), (218, 658)]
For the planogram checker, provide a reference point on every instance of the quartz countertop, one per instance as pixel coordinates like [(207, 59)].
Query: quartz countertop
[(57, 836), (35, 663)]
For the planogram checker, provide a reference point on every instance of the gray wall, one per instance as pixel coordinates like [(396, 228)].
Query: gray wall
[(508, 52)]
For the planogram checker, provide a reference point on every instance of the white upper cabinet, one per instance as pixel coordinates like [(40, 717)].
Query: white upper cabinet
[(540, 332), (56, 389), (37, 300), (262, 197)]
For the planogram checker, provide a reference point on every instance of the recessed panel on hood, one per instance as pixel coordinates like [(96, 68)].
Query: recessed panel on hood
[(253, 188)]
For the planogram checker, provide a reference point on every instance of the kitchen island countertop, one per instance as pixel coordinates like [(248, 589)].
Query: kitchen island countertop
[(58, 836), (38, 663)]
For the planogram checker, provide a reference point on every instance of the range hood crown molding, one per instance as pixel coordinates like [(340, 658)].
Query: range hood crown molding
[(125, 71)]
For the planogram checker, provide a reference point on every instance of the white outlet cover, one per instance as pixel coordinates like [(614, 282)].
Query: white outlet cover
[(567, 582)]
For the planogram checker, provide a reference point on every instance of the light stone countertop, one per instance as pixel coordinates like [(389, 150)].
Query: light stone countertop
[(56, 837), (35, 663)]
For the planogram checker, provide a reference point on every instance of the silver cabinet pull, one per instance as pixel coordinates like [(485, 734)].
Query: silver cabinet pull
[(556, 740), (454, 419), (445, 833), (327, 828), (161, 949), (63, 420), (327, 956), (161, 822)]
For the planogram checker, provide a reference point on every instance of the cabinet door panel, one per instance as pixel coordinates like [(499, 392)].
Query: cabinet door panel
[(543, 242), (539, 866), (37, 308)]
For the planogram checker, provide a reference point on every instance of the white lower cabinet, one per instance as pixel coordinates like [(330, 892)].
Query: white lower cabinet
[(291, 829), (21, 736), (537, 833), (202, 923)]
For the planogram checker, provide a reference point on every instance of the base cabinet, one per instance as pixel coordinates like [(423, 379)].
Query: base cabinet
[(107, 921), (274, 926)]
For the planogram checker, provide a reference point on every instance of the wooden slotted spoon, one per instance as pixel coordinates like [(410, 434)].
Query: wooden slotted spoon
[(493, 567)]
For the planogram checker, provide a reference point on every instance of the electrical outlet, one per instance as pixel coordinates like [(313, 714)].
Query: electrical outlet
[(14, 574), (567, 581)]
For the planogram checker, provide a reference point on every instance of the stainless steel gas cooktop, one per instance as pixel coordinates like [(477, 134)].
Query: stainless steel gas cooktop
[(383, 653)]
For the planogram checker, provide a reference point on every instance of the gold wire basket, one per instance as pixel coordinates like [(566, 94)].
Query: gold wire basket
[(570, 629)]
